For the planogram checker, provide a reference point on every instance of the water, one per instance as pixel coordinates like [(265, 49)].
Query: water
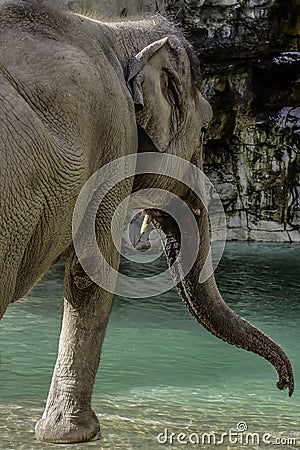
[(160, 370)]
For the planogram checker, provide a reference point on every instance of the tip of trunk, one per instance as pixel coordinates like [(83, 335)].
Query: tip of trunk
[(286, 382)]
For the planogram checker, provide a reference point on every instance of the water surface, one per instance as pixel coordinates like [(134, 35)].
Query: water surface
[(160, 369)]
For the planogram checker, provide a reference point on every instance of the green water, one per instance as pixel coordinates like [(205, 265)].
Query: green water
[(160, 369)]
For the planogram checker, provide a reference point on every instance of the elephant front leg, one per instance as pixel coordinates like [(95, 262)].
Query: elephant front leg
[(68, 416)]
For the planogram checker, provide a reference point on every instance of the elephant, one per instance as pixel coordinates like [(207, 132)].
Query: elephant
[(76, 94)]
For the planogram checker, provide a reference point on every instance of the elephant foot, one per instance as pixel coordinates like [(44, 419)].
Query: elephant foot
[(69, 428)]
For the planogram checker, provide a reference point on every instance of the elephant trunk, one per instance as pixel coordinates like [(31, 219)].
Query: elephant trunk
[(205, 302)]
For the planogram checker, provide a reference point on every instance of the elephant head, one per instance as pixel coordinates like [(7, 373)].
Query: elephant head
[(171, 115)]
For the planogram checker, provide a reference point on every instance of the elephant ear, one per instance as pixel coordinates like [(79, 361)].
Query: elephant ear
[(157, 90)]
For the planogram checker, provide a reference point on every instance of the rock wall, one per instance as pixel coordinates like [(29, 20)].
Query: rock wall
[(250, 57)]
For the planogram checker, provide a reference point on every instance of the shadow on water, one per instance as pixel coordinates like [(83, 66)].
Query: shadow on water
[(159, 368)]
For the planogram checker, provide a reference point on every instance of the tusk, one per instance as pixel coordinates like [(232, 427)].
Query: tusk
[(196, 211), (145, 224)]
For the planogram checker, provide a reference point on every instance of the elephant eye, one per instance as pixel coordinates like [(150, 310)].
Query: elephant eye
[(173, 92), (170, 86)]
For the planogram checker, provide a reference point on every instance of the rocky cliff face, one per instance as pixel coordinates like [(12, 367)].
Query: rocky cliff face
[(252, 152), (249, 51)]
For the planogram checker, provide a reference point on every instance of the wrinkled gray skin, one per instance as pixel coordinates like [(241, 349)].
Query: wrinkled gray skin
[(66, 110)]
